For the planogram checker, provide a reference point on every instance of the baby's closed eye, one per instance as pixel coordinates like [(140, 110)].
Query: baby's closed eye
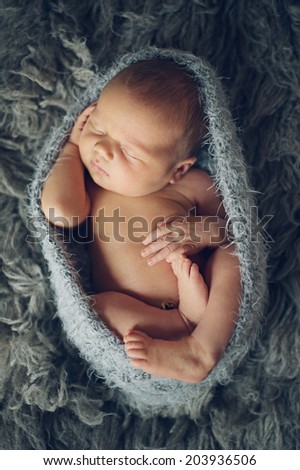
[(129, 154)]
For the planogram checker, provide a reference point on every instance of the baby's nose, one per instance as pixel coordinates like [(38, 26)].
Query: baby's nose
[(104, 149)]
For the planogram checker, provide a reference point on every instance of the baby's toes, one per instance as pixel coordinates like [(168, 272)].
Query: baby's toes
[(194, 271), (129, 344), (137, 353), (134, 346), (186, 267), (135, 335), (177, 265)]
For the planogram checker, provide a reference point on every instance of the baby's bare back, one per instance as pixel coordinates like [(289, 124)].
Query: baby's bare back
[(119, 225)]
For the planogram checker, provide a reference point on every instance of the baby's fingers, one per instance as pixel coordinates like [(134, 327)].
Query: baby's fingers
[(160, 231), (186, 250), (87, 111), (153, 248), (83, 117), (166, 243), (80, 123), (162, 254)]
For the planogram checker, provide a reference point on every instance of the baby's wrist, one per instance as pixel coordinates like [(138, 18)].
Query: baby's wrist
[(70, 150), (71, 141), (70, 147)]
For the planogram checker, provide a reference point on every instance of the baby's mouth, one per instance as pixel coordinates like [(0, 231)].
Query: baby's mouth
[(99, 169)]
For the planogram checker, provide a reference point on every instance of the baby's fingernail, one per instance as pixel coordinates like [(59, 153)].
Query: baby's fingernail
[(143, 253), (150, 262)]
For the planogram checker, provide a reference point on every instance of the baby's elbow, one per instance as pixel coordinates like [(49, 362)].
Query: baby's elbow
[(61, 213)]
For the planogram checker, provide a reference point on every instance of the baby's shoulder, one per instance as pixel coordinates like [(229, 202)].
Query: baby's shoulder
[(201, 189), (196, 176), (195, 181)]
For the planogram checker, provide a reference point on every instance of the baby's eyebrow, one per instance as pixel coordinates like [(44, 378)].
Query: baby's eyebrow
[(139, 145)]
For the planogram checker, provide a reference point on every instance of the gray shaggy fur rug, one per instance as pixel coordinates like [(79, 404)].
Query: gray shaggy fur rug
[(49, 52)]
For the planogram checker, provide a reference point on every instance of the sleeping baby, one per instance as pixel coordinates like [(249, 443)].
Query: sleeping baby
[(154, 219)]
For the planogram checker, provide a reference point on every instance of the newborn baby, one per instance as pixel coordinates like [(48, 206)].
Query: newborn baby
[(127, 165)]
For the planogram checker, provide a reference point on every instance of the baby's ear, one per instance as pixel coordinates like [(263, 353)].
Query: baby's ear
[(182, 168)]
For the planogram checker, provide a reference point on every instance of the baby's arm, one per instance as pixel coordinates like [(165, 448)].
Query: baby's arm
[(65, 201), (207, 228), (217, 323)]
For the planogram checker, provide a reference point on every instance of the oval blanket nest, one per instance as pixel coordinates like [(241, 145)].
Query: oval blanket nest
[(101, 348)]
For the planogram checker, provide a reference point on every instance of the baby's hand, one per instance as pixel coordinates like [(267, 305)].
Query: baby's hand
[(183, 236), (80, 123)]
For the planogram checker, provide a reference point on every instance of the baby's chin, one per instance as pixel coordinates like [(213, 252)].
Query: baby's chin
[(123, 192), (126, 190)]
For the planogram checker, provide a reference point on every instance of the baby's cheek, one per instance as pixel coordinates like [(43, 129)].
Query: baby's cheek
[(84, 159)]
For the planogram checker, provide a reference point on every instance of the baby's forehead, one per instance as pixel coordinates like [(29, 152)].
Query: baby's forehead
[(113, 90), (170, 125), (149, 101)]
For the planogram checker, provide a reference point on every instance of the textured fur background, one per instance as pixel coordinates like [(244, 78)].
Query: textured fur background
[(47, 52)]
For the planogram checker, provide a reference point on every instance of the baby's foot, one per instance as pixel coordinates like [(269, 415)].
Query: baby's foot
[(182, 360), (193, 292)]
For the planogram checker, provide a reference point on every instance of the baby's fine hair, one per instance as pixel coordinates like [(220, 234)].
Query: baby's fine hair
[(166, 85)]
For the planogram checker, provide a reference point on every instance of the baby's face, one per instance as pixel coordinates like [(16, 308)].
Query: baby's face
[(127, 147)]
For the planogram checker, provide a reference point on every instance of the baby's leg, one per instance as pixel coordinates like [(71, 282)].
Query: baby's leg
[(170, 358), (191, 358), (122, 312), (192, 290), (172, 354)]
